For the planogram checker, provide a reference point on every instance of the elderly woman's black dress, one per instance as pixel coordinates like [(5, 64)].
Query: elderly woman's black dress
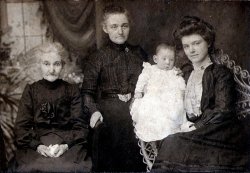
[(113, 70), (50, 113), (219, 142)]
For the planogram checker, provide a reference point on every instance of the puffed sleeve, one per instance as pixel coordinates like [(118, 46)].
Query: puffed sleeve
[(143, 78), (224, 95), (179, 80), (24, 126), (79, 120), (90, 83)]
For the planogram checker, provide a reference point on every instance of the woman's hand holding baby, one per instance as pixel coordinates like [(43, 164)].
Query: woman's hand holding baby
[(187, 127)]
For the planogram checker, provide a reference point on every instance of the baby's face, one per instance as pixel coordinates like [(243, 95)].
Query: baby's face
[(165, 59), (51, 66)]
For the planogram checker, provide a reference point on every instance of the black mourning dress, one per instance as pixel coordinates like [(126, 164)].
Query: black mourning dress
[(112, 70), (219, 143), (2, 152), (50, 113)]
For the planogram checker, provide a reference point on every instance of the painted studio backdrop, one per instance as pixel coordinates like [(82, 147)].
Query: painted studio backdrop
[(26, 24)]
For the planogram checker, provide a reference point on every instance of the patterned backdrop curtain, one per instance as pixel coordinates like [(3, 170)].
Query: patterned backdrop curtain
[(72, 22)]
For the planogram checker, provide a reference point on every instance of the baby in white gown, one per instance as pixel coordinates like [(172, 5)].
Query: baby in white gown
[(158, 109)]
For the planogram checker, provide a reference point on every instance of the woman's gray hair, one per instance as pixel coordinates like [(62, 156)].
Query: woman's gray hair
[(114, 9), (52, 47)]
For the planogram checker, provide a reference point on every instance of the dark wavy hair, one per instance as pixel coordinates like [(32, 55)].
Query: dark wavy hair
[(194, 25)]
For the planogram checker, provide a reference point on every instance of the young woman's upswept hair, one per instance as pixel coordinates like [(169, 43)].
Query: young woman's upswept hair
[(194, 25)]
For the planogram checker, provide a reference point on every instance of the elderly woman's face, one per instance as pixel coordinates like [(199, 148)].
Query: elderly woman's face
[(196, 48), (117, 27), (51, 66)]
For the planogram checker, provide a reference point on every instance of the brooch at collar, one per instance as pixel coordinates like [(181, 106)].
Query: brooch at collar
[(126, 49)]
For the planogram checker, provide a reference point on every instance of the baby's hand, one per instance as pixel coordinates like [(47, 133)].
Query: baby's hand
[(179, 72), (138, 95)]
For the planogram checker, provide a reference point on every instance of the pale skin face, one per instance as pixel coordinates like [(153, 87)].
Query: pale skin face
[(165, 59), (117, 28), (196, 49), (51, 66)]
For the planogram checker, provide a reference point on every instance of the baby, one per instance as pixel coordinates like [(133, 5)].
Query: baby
[(158, 109)]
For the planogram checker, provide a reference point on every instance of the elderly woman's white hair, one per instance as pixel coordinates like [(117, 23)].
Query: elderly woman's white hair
[(49, 47)]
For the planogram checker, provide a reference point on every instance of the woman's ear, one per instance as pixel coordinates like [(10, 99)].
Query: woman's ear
[(155, 59), (104, 27)]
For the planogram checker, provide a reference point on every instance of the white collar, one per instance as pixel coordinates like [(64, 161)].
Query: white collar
[(203, 66)]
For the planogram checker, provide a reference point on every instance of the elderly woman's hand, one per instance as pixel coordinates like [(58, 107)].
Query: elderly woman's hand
[(44, 150), (60, 150)]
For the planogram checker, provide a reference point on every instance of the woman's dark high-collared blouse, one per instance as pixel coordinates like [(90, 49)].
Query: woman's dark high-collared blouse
[(114, 69), (50, 107)]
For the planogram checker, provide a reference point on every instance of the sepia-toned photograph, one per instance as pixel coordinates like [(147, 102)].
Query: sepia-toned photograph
[(125, 86)]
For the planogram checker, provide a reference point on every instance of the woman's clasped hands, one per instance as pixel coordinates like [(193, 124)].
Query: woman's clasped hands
[(52, 150)]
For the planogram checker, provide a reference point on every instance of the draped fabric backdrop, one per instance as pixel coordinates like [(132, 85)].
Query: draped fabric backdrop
[(76, 24), (72, 22)]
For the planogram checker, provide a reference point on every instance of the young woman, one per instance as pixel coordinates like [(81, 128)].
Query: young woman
[(216, 142), (114, 70), (51, 129)]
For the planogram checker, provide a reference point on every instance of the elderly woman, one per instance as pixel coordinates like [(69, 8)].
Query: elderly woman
[(51, 129), (114, 70), (216, 141)]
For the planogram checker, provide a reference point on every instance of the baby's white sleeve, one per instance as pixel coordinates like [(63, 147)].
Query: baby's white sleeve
[(180, 80), (143, 78)]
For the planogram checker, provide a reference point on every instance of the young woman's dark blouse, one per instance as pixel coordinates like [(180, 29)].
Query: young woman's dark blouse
[(219, 141)]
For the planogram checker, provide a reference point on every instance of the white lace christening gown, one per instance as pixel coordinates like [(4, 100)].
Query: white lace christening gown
[(160, 111)]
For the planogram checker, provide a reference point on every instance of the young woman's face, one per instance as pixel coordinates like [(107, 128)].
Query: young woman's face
[(165, 59), (51, 66), (196, 48), (117, 27)]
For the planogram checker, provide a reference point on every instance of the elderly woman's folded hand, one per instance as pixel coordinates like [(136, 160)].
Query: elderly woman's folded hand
[(59, 149), (44, 150)]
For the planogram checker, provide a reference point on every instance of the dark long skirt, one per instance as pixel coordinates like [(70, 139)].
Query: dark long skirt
[(2, 152), (217, 147), (72, 160), (115, 147)]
